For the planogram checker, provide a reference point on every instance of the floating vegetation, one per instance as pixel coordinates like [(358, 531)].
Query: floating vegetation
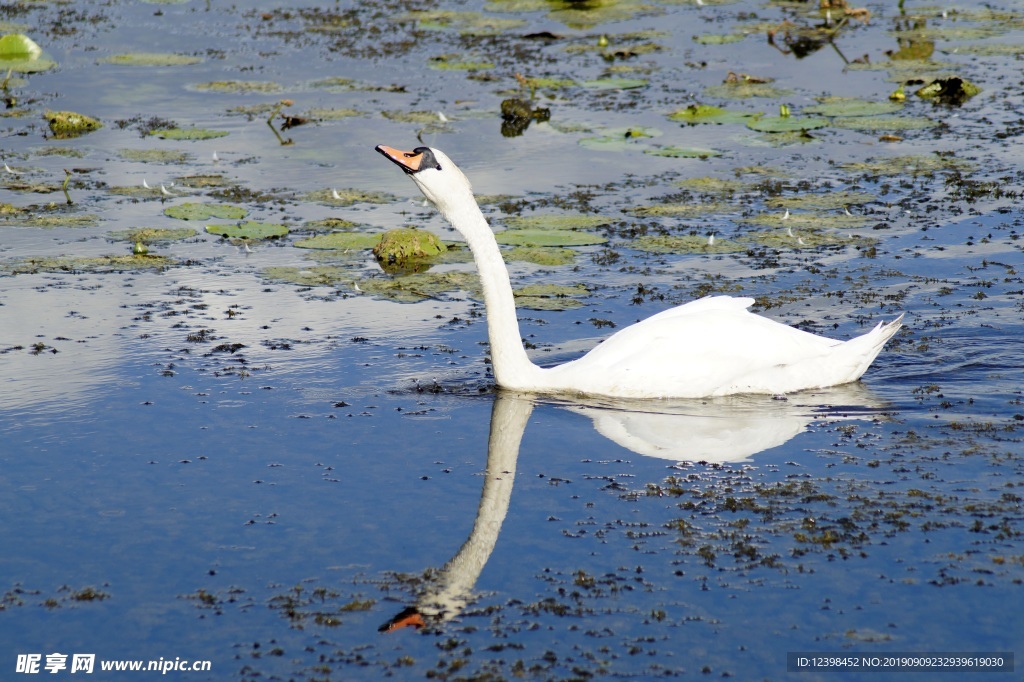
[(20, 53), (547, 256), (538, 237), (68, 124), (457, 62), (398, 246), (786, 124), (240, 87), (851, 107), (615, 83), (152, 235), (926, 165), (323, 114), (151, 59), (718, 38), (551, 297), (709, 185), (619, 139), (467, 23), (33, 219), (348, 197), (806, 238), (113, 263), (187, 133), (874, 123), (705, 113), (952, 90), (340, 241), (686, 244), (745, 86), (420, 117), (555, 221), (312, 276), (196, 211), (823, 201), (683, 152), (792, 222), (676, 210), (171, 156), (421, 286), (249, 229)]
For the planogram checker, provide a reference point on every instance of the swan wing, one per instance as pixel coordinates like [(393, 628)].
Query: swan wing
[(712, 346)]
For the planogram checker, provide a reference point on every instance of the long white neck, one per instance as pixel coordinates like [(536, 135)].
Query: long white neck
[(512, 367)]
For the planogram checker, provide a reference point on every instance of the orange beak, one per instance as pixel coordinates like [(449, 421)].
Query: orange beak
[(409, 617), (408, 161)]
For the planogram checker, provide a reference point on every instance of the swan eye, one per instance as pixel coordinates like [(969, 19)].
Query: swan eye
[(428, 157)]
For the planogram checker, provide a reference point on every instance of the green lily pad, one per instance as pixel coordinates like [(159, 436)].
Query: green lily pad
[(560, 221), (683, 152), (619, 139), (709, 185), (825, 201), (547, 256), (110, 263), (455, 62), (33, 219), (799, 222), (250, 229), (20, 53), (685, 244), (705, 113), (809, 239), (239, 87), (467, 22), (614, 83), (195, 211), (851, 107), (675, 210), (420, 286), (312, 276), (154, 155), (718, 38), (152, 235), (887, 123), (341, 241), (322, 114), (68, 124), (187, 133), (922, 165), (532, 237), (786, 124), (151, 59), (745, 90), (348, 197)]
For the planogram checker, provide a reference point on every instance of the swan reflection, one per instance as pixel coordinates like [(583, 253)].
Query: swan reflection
[(722, 430)]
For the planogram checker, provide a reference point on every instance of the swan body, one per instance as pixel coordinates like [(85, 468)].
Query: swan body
[(713, 346)]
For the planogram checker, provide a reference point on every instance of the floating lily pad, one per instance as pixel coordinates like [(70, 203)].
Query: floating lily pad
[(187, 133), (250, 229), (615, 83), (828, 200), (20, 53), (239, 87), (874, 123), (683, 152), (68, 124), (348, 197), (420, 117), (152, 235), (705, 113), (746, 90), (809, 239), (718, 38), (151, 59), (925, 164), (851, 107), (455, 62), (467, 22), (33, 219), (528, 237), (340, 241), (786, 124), (322, 114), (683, 244), (708, 185), (549, 296), (421, 286), (195, 211), (559, 221), (679, 210), (154, 155), (797, 222), (547, 256), (619, 139), (312, 276), (111, 263)]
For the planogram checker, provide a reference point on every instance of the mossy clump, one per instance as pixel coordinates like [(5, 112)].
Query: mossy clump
[(404, 244), (68, 124)]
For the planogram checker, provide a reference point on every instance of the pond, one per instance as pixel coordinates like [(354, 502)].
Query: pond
[(231, 440)]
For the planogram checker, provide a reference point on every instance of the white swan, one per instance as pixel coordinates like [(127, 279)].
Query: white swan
[(709, 347)]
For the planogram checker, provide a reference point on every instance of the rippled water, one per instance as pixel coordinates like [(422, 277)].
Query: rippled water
[(204, 463)]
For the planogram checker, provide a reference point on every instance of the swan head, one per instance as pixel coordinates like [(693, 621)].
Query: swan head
[(434, 173)]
